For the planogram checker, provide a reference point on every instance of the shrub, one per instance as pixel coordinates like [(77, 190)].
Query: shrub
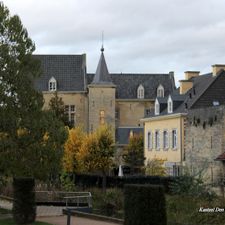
[(189, 185), (67, 182), (24, 208), (88, 180), (144, 205)]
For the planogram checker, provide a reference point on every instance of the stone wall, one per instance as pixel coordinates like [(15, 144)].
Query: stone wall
[(101, 99), (129, 112), (204, 142)]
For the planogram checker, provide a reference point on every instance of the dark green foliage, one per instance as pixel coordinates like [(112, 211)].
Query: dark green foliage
[(31, 140), (133, 154), (188, 185), (144, 205), (24, 209), (56, 105), (109, 203), (88, 180)]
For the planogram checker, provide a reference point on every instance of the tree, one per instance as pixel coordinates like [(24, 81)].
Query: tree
[(133, 154), (155, 167), (56, 105), (31, 140), (71, 149), (97, 151)]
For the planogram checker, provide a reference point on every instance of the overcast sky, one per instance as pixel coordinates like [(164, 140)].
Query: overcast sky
[(146, 36)]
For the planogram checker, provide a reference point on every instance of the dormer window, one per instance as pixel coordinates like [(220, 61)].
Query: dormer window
[(160, 91), (170, 105), (52, 84), (157, 107), (140, 92)]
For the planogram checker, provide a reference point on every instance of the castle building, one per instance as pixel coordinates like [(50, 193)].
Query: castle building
[(186, 128), (120, 100)]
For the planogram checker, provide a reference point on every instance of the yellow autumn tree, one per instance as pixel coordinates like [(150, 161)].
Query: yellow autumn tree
[(97, 151), (71, 149), (155, 167)]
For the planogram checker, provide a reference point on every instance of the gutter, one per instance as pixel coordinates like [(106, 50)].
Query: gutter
[(171, 116)]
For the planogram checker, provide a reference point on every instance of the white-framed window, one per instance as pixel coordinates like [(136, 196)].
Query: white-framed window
[(165, 140), (174, 138), (52, 84), (157, 107), (157, 140), (149, 140), (70, 111), (160, 91), (140, 91), (170, 105)]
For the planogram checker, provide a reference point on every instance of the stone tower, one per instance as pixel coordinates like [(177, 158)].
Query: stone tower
[(101, 97)]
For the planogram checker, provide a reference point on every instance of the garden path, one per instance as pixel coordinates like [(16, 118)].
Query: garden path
[(61, 220), (53, 215), (41, 210)]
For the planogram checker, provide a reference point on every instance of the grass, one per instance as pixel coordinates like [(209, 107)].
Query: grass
[(182, 210), (185, 210), (4, 211), (11, 222)]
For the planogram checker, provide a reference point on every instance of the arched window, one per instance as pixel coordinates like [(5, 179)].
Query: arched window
[(140, 92), (52, 84), (160, 91)]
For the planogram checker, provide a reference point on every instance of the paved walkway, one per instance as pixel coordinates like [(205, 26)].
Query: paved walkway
[(41, 210), (61, 220), (53, 215)]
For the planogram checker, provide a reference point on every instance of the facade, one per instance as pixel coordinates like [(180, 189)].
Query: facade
[(187, 126), (120, 100)]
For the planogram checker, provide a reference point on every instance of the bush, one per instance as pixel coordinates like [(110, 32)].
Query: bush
[(88, 180), (144, 205), (188, 185), (24, 208)]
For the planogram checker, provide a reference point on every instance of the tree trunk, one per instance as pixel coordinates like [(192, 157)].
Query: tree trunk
[(104, 181)]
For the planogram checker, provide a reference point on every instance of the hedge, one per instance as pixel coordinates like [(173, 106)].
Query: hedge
[(88, 180), (144, 205), (24, 208)]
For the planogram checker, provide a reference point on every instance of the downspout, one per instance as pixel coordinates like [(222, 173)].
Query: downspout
[(181, 140)]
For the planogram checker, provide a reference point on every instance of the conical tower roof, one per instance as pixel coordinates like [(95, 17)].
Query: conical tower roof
[(102, 75)]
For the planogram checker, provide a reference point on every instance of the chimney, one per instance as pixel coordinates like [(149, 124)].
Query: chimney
[(216, 68), (190, 74), (185, 85)]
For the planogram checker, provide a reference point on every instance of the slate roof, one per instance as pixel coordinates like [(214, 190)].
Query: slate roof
[(102, 75), (70, 74), (204, 86), (68, 70), (123, 133), (127, 84), (215, 91)]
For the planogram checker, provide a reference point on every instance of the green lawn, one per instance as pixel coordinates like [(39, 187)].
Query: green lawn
[(4, 211), (11, 222)]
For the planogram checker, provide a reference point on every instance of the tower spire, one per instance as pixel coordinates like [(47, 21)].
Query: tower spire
[(102, 48)]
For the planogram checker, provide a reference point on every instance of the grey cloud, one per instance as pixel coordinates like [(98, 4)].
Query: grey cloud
[(140, 35)]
